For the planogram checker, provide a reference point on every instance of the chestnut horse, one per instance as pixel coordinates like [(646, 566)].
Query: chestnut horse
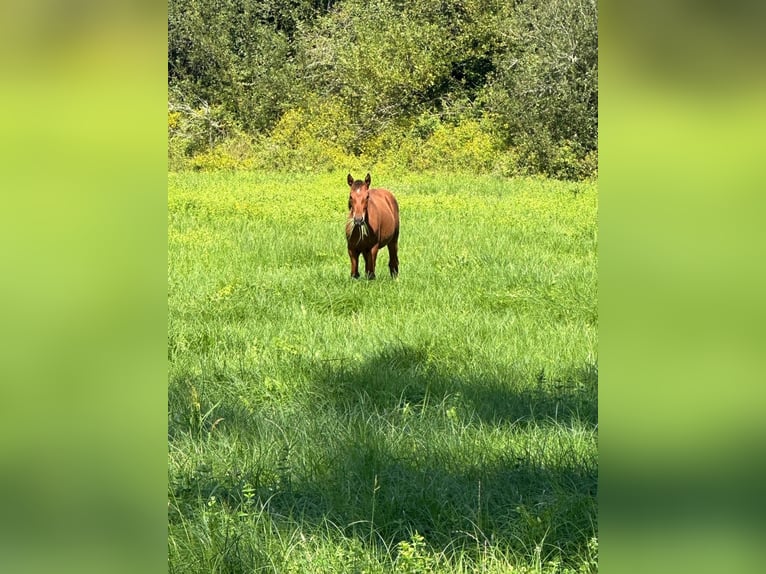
[(373, 223)]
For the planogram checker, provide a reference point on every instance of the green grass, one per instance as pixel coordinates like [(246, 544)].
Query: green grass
[(445, 421)]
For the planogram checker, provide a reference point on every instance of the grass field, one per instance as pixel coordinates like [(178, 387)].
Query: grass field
[(445, 421)]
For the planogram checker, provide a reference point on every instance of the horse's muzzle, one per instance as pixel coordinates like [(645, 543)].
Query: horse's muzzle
[(358, 221)]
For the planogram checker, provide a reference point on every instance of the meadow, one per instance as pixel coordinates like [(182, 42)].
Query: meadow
[(445, 421)]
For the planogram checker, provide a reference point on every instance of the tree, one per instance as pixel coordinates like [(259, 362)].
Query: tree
[(545, 91)]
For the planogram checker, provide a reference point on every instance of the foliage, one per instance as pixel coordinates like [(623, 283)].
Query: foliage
[(462, 147), (435, 145), (235, 153), (310, 138), (544, 94), (197, 129), (413, 556), (387, 62), (237, 54), (378, 71)]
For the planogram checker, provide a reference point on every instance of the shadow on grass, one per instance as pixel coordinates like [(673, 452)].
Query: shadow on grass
[(401, 375), (397, 445), (458, 459)]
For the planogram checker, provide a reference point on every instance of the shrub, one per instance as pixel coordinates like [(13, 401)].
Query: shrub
[(569, 161), (196, 130), (413, 556), (543, 92), (235, 153), (462, 147), (311, 138), (432, 144), (507, 163)]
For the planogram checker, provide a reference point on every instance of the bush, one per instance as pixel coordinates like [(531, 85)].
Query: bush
[(538, 153), (569, 161), (311, 138), (544, 91), (431, 144), (476, 86), (507, 164), (462, 147), (196, 130), (235, 153)]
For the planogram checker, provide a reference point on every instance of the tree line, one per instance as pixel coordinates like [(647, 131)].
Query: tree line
[(478, 85)]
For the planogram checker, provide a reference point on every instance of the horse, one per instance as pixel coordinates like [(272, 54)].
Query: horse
[(373, 223)]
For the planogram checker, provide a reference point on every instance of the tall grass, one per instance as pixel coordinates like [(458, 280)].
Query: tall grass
[(445, 421)]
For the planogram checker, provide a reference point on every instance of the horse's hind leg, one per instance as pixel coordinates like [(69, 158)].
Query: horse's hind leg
[(393, 257)]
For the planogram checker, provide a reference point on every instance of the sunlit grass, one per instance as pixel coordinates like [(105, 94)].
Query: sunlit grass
[(443, 422)]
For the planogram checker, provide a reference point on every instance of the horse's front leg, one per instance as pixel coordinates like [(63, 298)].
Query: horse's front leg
[(369, 261), (354, 256)]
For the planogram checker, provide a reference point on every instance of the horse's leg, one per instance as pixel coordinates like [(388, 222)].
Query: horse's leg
[(369, 261), (393, 257), (354, 255)]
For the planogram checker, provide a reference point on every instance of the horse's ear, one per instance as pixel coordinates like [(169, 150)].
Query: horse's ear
[(350, 179), (367, 180)]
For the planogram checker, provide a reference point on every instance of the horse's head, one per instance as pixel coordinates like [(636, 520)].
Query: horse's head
[(357, 199)]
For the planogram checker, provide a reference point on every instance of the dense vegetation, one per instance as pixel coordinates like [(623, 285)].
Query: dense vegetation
[(443, 422), (468, 85)]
